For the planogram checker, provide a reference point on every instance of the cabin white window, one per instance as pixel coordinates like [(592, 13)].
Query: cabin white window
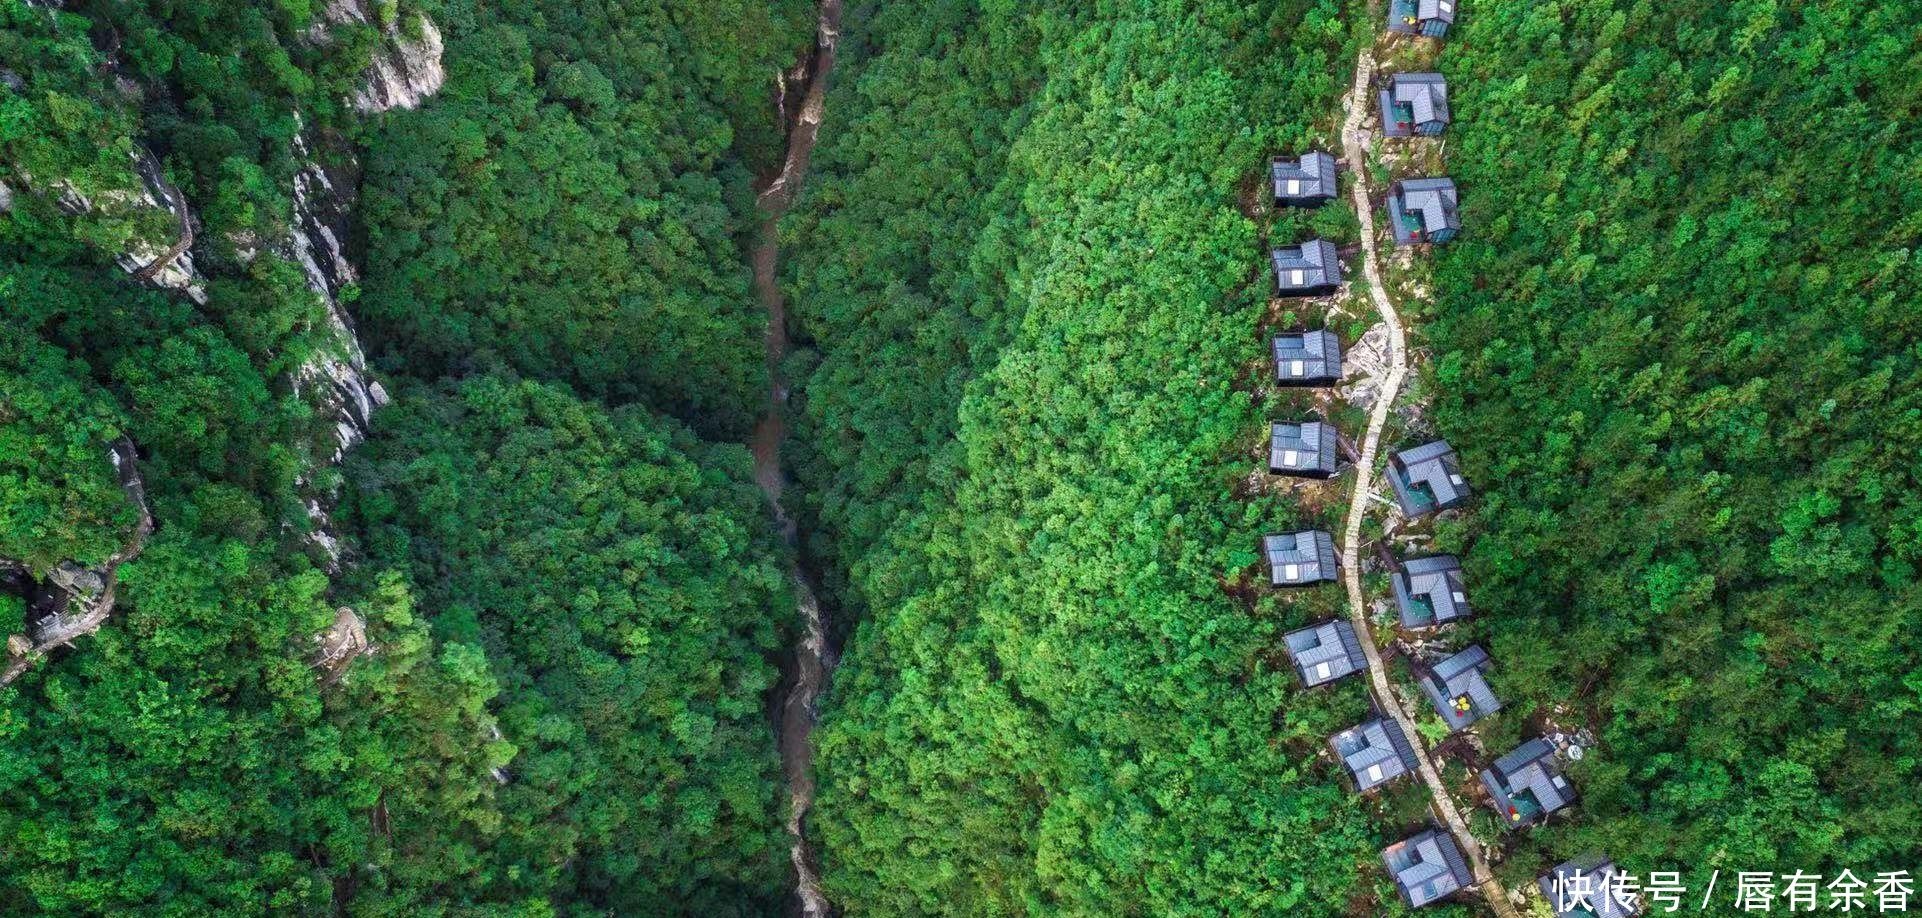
[(1294, 277), (1374, 772), (1294, 187), (1290, 458), (1322, 670), (1459, 598), (1291, 572), (1446, 7), (1296, 368), (1455, 478)]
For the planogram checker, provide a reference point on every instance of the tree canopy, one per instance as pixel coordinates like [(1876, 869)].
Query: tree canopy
[(1032, 293), (573, 205), (571, 607), (620, 580), (1678, 344), (1676, 347)]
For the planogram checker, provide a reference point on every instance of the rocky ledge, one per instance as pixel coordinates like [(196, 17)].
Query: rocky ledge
[(71, 600)]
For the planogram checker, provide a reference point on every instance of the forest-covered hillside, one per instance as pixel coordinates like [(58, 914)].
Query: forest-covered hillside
[(616, 575), (1679, 343), (1032, 296), (1677, 348), (572, 206), (489, 623)]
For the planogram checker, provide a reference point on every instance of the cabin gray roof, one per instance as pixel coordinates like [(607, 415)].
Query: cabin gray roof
[(1300, 558), (1426, 867), (1527, 784), (1307, 356), (1307, 266), (1428, 478), (1305, 448), (1433, 17), (1458, 688), (1586, 889), (1325, 652), (1311, 176), (1443, 10), (1374, 753), (1430, 591), (1424, 94), (1433, 199)]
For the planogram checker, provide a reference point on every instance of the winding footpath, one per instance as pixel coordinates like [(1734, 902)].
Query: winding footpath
[(1354, 142)]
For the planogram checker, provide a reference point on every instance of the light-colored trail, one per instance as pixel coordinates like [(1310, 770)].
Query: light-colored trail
[(1355, 154)]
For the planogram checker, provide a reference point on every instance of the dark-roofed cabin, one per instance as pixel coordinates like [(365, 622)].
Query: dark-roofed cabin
[(1427, 867), (1374, 753), (1300, 558), (1309, 269), (1527, 785), (1305, 182), (1428, 478), (1458, 688), (1423, 210), (1421, 17), (1589, 889), (1310, 358), (1325, 652), (1305, 450), (1429, 591), (1414, 103)]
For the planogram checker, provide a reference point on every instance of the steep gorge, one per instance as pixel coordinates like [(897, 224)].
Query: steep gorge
[(811, 659)]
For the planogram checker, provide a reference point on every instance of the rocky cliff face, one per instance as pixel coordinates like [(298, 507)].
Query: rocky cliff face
[(165, 263), (171, 267), (336, 381), (72, 600), (405, 70)]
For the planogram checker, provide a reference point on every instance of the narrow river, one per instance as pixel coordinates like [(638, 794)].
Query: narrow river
[(811, 659)]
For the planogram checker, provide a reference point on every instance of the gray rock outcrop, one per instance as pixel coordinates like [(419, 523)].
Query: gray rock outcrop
[(336, 381), (70, 600), (405, 69), (339, 645), (167, 265)]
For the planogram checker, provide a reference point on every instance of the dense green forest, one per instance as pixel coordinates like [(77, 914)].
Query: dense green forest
[(572, 206), (573, 605), (1679, 347), (1033, 298), (613, 571), (1684, 295)]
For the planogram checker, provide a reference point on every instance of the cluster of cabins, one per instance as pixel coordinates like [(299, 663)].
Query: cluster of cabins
[(1421, 211), (1525, 785)]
